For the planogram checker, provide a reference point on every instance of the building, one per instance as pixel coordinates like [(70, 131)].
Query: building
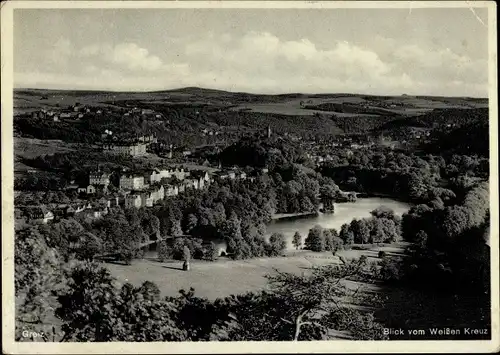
[(201, 174), (132, 182), (128, 149), (99, 178), (192, 183), (133, 200), (171, 190), (148, 139), (39, 214), (156, 175), (158, 193), (64, 211), (93, 189), (147, 199), (95, 213)]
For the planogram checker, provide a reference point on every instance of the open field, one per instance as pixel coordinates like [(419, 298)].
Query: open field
[(404, 307), (31, 148), (225, 277), (28, 100)]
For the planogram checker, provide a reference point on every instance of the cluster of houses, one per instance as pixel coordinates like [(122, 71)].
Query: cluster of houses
[(136, 190), (72, 112), (144, 112), (44, 214), (127, 146)]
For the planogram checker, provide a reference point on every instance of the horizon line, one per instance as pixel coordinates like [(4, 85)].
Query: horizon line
[(246, 92)]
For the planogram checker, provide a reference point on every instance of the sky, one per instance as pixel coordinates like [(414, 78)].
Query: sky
[(371, 51)]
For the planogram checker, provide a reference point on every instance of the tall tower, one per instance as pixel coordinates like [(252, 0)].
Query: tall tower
[(269, 132)]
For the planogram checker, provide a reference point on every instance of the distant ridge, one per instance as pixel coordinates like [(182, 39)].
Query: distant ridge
[(193, 90)]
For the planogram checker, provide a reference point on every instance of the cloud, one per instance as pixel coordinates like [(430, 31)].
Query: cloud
[(124, 55), (263, 62)]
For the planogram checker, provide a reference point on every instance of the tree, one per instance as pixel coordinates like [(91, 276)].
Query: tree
[(93, 309), (304, 307), (38, 278), (163, 250), (346, 234), (328, 237), (191, 223), (315, 240), (175, 227), (297, 240), (88, 247), (421, 239), (211, 252), (337, 244), (328, 194), (383, 212), (277, 244)]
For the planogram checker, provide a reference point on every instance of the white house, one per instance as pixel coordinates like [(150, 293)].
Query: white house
[(132, 182), (99, 178), (133, 201), (40, 215)]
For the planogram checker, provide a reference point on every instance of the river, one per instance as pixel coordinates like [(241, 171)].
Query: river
[(344, 213)]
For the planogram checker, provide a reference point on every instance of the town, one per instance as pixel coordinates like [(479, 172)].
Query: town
[(292, 174)]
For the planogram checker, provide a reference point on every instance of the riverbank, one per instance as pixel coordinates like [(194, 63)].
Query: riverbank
[(291, 216)]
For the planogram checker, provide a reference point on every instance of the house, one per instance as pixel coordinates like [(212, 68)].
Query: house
[(129, 149), (192, 183), (156, 175), (180, 173), (39, 214), (96, 213), (82, 189), (201, 174), (78, 208), (133, 200), (148, 139), (132, 182), (92, 189), (171, 190), (158, 193), (147, 199), (112, 201), (72, 187), (230, 174), (64, 211), (99, 178)]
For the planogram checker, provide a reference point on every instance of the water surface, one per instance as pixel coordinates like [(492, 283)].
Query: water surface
[(344, 213)]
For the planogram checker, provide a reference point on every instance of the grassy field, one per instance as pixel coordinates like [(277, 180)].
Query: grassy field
[(31, 148), (28, 100), (404, 307), (225, 277)]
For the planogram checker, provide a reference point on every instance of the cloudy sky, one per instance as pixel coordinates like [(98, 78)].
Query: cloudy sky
[(379, 51)]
